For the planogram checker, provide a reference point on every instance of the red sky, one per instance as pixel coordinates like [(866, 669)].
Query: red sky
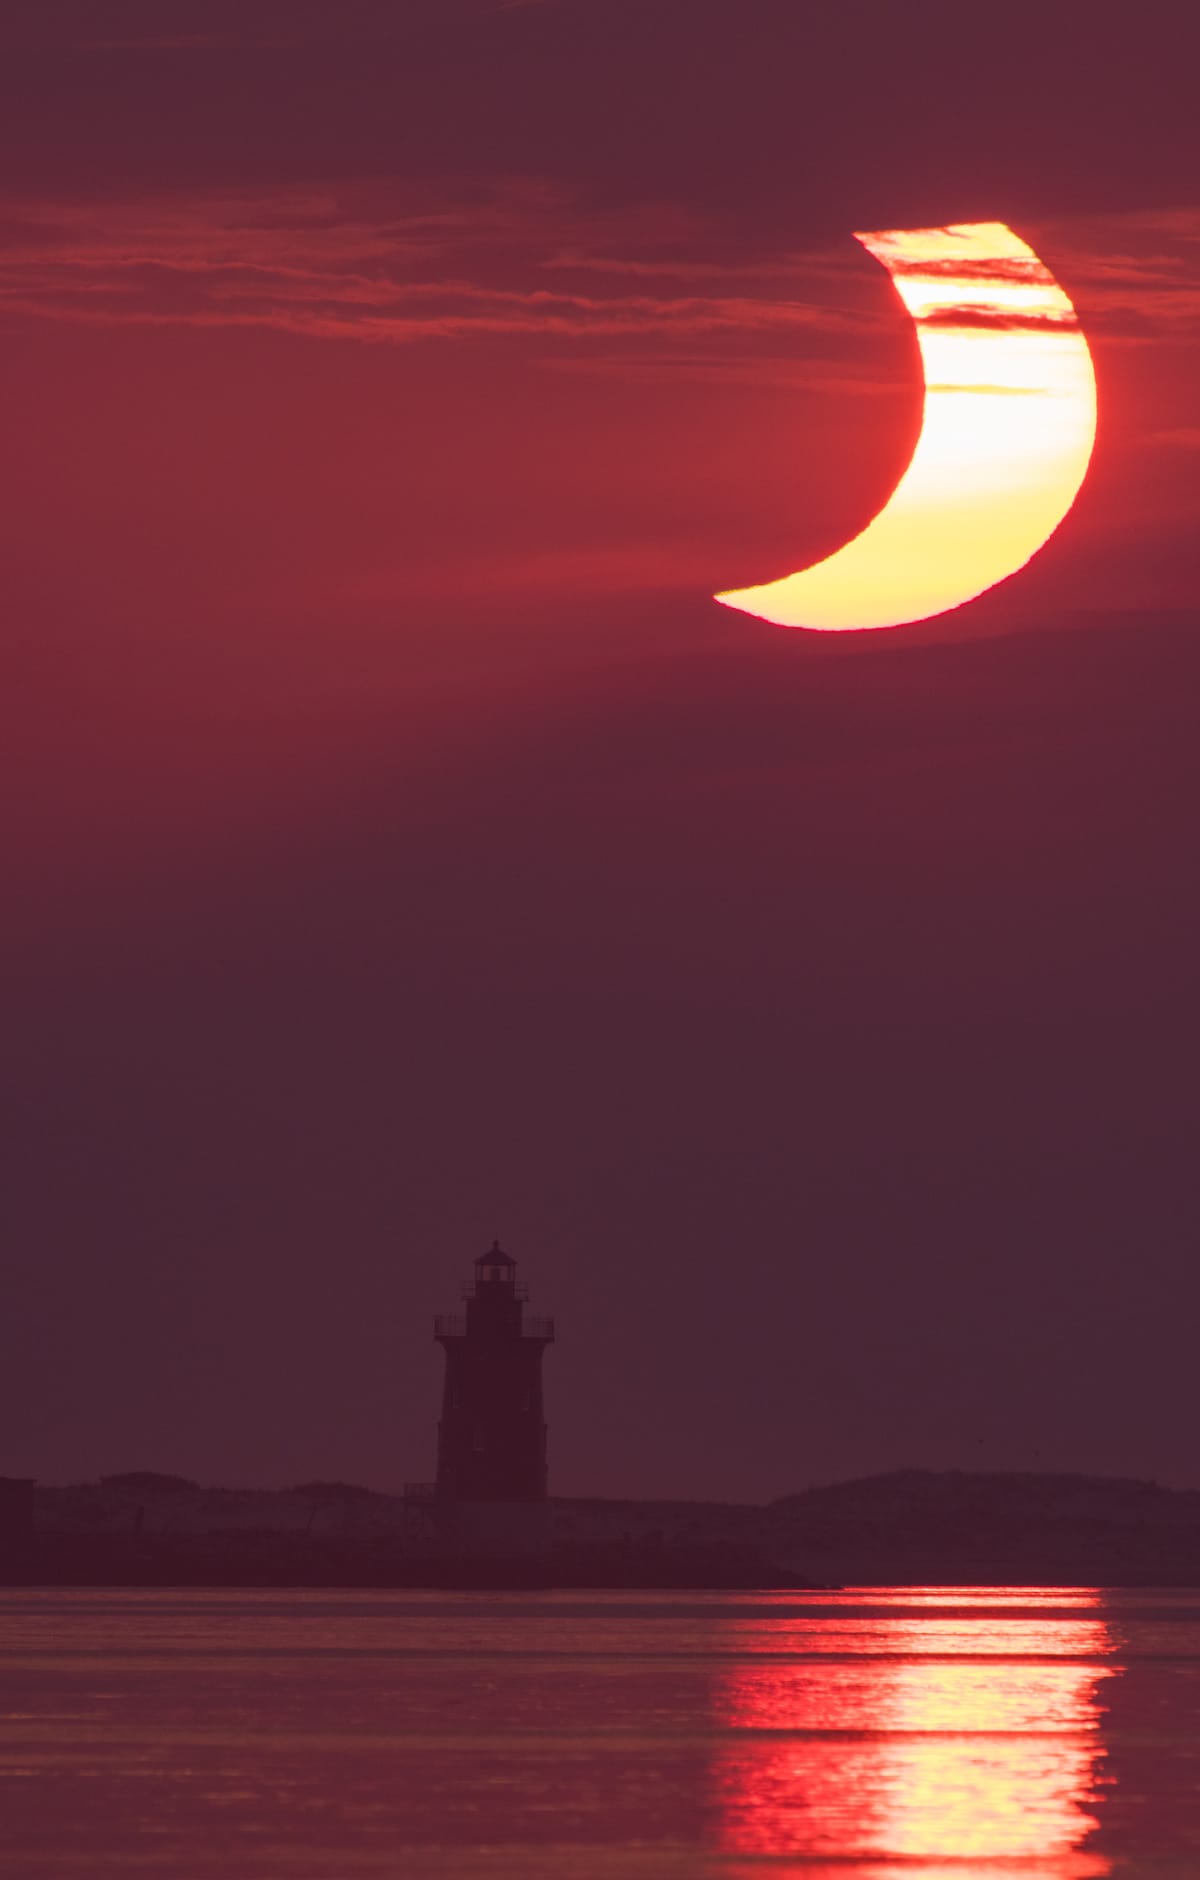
[(401, 847)]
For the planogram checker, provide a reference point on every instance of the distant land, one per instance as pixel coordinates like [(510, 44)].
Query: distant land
[(909, 1528)]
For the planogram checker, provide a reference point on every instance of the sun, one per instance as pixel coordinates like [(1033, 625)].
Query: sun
[(1007, 434)]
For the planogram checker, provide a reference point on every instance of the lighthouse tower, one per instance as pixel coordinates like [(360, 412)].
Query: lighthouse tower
[(492, 1436)]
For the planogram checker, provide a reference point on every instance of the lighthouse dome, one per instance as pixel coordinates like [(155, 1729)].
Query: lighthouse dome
[(494, 1265)]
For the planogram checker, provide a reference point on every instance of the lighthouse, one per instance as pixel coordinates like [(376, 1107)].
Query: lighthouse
[(492, 1434)]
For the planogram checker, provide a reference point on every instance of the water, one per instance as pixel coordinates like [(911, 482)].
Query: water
[(870, 1735)]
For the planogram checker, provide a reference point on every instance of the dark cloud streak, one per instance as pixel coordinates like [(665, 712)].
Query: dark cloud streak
[(735, 110), (969, 317)]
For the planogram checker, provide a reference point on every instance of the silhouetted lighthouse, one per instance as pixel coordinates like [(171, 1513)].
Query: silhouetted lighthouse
[(492, 1436)]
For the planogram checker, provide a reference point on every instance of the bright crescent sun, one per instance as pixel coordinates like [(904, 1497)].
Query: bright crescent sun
[(1007, 434)]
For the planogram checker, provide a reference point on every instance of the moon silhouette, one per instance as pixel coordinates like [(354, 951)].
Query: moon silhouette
[(1007, 433)]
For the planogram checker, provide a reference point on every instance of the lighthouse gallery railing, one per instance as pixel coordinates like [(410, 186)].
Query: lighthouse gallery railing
[(454, 1325)]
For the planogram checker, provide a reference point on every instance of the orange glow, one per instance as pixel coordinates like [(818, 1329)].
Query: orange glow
[(919, 1741), (1007, 434)]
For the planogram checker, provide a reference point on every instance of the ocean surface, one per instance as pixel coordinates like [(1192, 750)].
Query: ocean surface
[(876, 1734)]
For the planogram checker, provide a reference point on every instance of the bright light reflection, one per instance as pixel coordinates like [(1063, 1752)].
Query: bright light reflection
[(1008, 430), (917, 1752)]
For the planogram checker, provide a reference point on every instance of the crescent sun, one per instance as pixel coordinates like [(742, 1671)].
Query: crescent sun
[(1006, 437)]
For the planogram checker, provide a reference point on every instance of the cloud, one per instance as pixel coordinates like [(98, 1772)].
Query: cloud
[(1132, 277), (1006, 270), (189, 42), (967, 315), (233, 26), (991, 391), (370, 268), (378, 264)]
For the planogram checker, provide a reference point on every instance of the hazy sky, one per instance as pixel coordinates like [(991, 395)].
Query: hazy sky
[(400, 846)]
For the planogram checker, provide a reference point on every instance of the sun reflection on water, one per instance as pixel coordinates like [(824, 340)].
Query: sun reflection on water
[(956, 1735)]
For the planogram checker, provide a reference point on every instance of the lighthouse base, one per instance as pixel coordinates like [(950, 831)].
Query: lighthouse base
[(501, 1530)]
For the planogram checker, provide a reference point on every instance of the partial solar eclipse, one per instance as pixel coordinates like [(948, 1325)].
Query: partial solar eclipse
[(1005, 441)]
